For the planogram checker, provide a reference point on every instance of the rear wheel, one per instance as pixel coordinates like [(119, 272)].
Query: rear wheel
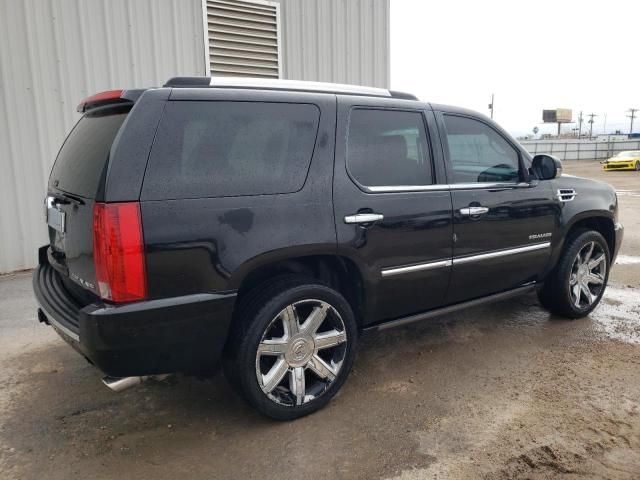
[(578, 282), (638, 166), (293, 349)]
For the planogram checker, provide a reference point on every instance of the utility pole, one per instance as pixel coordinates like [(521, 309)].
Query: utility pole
[(580, 125), (632, 116), (590, 122), (491, 106)]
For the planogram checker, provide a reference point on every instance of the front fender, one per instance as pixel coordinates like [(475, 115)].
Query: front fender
[(594, 201)]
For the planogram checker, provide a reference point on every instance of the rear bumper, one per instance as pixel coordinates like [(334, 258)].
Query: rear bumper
[(179, 334)]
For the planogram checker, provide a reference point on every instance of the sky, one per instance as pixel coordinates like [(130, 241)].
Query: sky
[(533, 55)]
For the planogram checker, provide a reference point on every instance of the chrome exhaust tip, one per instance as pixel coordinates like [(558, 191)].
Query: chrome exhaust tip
[(119, 384)]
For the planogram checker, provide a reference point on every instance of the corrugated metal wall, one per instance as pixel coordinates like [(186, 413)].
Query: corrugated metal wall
[(53, 53), (343, 41)]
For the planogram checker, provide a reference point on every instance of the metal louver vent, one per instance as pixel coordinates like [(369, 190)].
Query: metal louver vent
[(566, 194), (242, 38)]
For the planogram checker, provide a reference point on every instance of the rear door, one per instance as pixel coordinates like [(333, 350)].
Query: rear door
[(503, 221), (76, 180), (392, 216)]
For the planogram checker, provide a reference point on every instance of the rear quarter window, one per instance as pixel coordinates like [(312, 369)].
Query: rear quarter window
[(220, 149)]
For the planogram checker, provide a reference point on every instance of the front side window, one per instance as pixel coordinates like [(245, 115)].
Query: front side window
[(220, 149), (477, 153), (388, 148)]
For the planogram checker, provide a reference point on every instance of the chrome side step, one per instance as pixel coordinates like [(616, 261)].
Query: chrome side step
[(453, 308)]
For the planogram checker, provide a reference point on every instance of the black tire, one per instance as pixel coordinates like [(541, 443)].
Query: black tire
[(638, 166), (255, 317), (556, 293)]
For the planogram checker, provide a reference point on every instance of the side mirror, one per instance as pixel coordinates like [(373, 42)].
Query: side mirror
[(546, 167)]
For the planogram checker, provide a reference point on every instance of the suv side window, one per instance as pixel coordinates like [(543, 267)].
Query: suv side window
[(220, 148), (388, 148), (478, 153)]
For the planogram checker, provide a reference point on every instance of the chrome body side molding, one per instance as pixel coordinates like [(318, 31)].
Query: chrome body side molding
[(501, 253), (453, 308), (388, 272), (447, 186)]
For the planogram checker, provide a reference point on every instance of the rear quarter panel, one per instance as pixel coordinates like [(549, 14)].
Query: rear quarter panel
[(210, 244)]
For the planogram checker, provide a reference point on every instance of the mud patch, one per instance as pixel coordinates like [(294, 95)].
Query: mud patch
[(544, 462)]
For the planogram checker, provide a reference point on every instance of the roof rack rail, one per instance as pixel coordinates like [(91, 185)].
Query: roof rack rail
[(291, 85)]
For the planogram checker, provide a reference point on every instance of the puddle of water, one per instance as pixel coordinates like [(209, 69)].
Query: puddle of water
[(627, 260), (628, 193), (618, 315)]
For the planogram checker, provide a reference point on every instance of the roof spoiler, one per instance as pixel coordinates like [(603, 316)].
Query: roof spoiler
[(109, 97)]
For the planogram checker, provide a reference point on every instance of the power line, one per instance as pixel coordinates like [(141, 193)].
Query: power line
[(632, 116)]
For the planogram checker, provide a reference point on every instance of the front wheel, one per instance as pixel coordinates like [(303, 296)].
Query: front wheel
[(638, 166), (577, 284), (293, 349)]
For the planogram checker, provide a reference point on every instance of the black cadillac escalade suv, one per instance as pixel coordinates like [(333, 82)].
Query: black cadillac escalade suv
[(265, 224)]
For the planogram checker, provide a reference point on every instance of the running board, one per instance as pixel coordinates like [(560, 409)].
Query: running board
[(453, 308)]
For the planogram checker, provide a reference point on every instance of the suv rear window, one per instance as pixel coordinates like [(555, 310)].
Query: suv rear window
[(218, 149), (84, 154)]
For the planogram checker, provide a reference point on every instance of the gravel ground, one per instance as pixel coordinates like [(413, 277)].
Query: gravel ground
[(503, 391)]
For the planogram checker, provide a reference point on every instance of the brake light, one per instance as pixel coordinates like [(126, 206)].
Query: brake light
[(118, 252), (100, 99)]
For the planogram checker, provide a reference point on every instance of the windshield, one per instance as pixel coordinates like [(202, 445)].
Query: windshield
[(628, 155), (83, 157)]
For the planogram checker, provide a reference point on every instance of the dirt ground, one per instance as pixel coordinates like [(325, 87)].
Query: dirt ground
[(504, 391)]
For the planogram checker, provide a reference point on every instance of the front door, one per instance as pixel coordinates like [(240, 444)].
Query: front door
[(392, 219), (503, 223)]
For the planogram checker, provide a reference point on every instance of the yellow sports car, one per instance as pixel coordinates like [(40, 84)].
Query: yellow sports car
[(629, 160)]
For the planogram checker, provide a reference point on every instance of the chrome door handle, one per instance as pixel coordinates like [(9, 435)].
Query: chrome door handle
[(364, 218), (471, 211)]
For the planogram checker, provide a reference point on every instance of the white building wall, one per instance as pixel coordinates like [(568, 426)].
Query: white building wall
[(342, 41), (53, 53)]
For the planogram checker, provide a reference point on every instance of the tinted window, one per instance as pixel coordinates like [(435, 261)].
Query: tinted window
[(215, 149), (388, 147), (83, 157), (478, 153)]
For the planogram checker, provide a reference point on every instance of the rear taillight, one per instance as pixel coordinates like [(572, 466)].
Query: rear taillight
[(118, 252)]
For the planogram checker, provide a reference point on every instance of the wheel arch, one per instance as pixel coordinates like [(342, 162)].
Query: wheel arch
[(601, 222), (337, 271)]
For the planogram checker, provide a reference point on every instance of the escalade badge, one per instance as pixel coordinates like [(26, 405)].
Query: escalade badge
[(536, 236), (82, 282)]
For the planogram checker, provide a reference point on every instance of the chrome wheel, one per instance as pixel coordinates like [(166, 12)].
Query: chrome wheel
[(588, 274), (301, 352)]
